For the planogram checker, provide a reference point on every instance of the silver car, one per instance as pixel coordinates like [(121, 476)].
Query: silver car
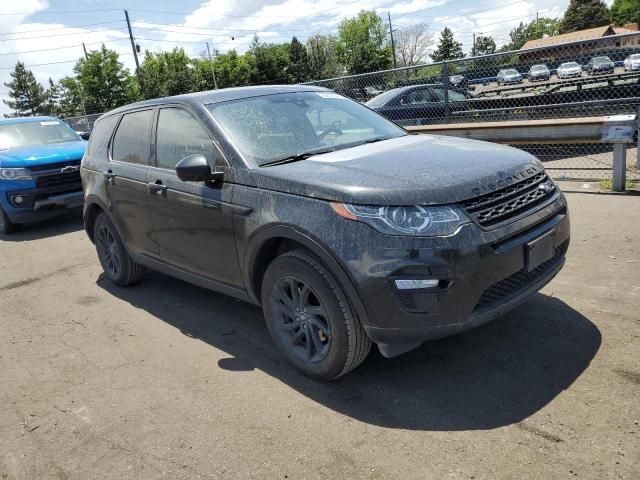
[(508, 75), (632, 62), (569, 70)]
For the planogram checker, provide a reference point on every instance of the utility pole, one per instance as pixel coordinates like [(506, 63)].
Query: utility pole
[(213, 73), (133, 44), (393, 43), (473, 48), (86, 57)]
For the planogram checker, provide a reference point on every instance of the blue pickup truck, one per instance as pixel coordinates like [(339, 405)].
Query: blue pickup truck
[(39, 170)]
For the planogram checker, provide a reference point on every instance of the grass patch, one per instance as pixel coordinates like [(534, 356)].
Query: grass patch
[(607, 184)]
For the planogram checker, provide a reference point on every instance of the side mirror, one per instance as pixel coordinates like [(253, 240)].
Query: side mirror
[(84, 135), (195, 168)]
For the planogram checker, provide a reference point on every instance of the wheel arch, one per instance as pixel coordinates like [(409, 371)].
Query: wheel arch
[(270, 242)]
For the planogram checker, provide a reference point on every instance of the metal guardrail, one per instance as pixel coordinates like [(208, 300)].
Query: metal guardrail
[(618, 130)]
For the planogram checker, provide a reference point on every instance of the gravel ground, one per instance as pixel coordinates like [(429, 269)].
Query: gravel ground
[(167, 380)]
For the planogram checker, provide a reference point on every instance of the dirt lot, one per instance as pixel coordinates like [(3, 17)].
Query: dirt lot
[(166, 380)]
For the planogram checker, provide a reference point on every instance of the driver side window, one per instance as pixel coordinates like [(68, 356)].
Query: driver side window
[(179, 135), (417, 97)]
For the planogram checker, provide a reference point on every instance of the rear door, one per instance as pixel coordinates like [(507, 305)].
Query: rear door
[(126, 181), (193, 220)]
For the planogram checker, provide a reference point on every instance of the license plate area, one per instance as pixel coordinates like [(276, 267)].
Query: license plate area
[(539, 250)]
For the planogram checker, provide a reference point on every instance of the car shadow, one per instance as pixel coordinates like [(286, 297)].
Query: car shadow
[(493, 376), (66, 223)]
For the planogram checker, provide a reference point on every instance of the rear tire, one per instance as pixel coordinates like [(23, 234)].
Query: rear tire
[(7, 227), (117, 264), (310, 318)]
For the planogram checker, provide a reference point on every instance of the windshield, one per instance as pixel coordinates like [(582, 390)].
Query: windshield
[(381, 99), (510, 72), (29, 134), (275, 127), (569, 65), (538, 68), (635, 57), (602, 60)]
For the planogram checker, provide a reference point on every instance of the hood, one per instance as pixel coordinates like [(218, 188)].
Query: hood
[(37, 155), (413, 169)]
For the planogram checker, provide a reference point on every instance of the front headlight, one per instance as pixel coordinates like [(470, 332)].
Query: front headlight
[(413, 220), (15, 174)]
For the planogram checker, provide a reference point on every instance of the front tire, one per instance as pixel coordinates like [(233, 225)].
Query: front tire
[(310, 318), (117, 264), (7, 227)]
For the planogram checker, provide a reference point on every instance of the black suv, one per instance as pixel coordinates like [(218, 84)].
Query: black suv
[(345, 228)]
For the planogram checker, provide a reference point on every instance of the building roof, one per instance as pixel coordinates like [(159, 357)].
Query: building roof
[(580, 35)]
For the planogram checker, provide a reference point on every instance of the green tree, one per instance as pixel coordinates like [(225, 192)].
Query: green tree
[(53, 98), (448, 47), (71, 98), (104, 82), (298, 62), (231, 69), (532, 31), (27, 96), (269, 62), (362, 43), (322, 53), (484, 45), (583, 14), (625, 11), (166, 73)]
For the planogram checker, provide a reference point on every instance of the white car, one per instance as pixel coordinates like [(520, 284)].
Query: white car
[(632, 62), (569, 70)]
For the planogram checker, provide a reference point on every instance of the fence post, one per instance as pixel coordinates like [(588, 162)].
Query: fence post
[(445, 86), (619, 166)]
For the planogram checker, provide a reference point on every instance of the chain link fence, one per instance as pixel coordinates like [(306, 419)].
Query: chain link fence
[(587, 78), (596, 77)]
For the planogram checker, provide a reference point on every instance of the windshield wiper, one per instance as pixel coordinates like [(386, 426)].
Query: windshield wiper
[(370, 140), (298, 156)]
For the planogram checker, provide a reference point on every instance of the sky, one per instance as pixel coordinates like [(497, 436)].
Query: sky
[(47, 35)]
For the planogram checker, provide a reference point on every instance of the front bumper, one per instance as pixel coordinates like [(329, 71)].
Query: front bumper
[(41, 204), (482, 275)]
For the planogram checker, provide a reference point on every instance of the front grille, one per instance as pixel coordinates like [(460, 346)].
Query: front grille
[(51, 176), (501, 291), (496, 207)]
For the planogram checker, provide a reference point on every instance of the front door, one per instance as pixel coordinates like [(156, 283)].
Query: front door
[(126, 181), (193, 221)]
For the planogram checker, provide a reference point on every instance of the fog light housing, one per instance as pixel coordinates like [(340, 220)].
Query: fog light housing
[(416, 283), (18, 199)]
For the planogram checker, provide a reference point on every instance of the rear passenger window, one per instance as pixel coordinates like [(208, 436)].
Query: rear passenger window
[(131, 143), (100, 136), (180, 135)]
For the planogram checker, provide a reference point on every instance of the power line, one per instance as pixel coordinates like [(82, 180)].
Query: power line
[(76, 45), (54, 63), (64, 34), (61, 28)]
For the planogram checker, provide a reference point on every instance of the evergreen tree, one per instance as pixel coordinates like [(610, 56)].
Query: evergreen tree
[(53, 95), (584, 14), (484, 46), (448, 47), (625, 11), (28, 98), (298, 62)]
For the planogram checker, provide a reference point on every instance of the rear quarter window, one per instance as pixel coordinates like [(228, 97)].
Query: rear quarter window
[(100, 135), (132, 141)]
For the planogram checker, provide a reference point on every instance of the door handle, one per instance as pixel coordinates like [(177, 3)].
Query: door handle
[(109, 176), (156, 187)]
